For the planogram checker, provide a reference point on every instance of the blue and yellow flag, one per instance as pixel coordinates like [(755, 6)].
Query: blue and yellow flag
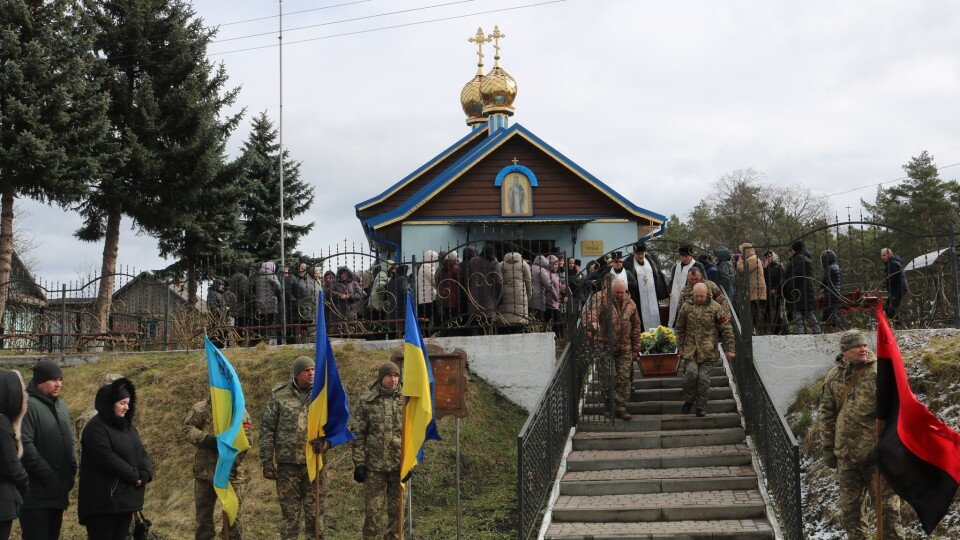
[(228, 406), (329, 412), (419, 425)]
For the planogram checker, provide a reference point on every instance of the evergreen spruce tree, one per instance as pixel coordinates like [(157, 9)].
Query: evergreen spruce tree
[(260, 234), (166, 164), (52, 113)]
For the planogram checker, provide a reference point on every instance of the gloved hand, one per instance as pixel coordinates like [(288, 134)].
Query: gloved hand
[(320, 445), (209, 441), (359, 474), (407, 477), (269, 471), (830, 459)]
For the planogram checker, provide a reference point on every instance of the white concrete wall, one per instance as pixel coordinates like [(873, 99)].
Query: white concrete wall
[(519, 365)]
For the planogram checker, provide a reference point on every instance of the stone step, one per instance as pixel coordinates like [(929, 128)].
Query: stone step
[(676, 394), (661, 407), (664, 422), (733, 529), (627, 481), (716, 381), (659, 458), (679, 506), (679, 438)]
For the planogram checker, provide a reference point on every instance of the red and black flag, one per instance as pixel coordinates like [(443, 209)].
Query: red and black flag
[(917, 454)]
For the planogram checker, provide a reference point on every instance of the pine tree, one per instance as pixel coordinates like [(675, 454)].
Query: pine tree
[(260, 235), (167, 138), (52, 113)]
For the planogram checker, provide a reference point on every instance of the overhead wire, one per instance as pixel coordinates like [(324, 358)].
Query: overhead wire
[(902, 178), (268, 17)]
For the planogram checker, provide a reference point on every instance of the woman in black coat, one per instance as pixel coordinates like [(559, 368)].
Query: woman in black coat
[(13, 477), (114, 467)]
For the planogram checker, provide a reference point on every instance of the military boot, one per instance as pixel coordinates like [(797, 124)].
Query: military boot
[(686, 408)]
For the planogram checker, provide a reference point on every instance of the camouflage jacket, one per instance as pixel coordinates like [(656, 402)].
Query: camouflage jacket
[(376, 424), (621, 321), (849, 432), (283, 427), (716, 293), (699, 330), (196, 427)]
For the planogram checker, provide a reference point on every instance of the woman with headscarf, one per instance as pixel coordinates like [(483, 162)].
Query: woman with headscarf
[(13, 477), (114, 466)]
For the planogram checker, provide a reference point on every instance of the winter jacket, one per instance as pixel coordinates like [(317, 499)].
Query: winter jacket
[(241, 299), (700, 328), (517, 286), (113, 459), (896, 277), (266, 290), (217, 301), (378, 289), (48, 454), (619, 322), (485, 284), (751, 266), (448, 286), (395, 301), (726, 273), (426, 291), (283, 426), (799, 285), (831, 279), (13, 477), (469, 253), (306, 291), (544, 294), (344, 309), (197, 427)]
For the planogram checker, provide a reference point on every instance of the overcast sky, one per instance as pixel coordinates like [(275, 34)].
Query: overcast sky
[(657, 99)]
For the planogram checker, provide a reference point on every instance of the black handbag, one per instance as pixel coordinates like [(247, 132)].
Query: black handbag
[(141, 527)]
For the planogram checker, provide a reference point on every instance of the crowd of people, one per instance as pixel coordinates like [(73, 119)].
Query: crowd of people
[(512, 290)]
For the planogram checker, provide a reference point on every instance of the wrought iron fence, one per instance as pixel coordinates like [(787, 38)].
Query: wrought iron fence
[(776, 447)]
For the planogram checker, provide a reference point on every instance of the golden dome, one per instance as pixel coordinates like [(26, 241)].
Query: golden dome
[(498, 89), (471, 101)]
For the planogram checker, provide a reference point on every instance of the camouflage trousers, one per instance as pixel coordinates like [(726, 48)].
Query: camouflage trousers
[(622, 378), (296, 496), (205, 500), (381, 491), (696, 382), (857, 484)]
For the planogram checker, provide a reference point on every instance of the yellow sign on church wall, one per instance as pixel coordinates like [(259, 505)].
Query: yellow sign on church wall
[(591, 248)]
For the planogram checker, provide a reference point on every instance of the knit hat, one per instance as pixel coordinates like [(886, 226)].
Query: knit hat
[(797, 246), (122, 393), (46, 370), (850, 339), (387, 368), (300, 364)]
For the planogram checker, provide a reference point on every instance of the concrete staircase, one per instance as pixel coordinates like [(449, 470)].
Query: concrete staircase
[(661, 474)]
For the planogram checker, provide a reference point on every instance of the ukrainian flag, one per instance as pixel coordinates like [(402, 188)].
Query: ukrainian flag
[(228, 406), (329, 412), (419, 425)]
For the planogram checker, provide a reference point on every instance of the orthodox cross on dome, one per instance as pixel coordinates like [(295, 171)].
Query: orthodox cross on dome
[(479, 39), (496, 36)]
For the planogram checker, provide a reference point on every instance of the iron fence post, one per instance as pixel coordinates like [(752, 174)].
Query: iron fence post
[(956, 285), (166, 319), (63, 317)]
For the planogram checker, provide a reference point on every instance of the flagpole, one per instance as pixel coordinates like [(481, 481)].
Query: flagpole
[(879, 495), (316, 501), (226, 526), (403, 446)]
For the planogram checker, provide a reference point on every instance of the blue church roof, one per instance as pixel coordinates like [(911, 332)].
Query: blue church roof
[(471, 158)]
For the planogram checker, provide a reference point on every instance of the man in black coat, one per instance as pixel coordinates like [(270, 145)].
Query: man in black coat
[(799, 289), (48, 454), (896, 282), (634, 266)]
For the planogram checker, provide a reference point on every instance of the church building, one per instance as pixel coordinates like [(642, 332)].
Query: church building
[(502, 182)]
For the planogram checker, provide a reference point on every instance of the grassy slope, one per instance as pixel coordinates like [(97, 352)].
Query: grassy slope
[(168, 384), (934, 372)]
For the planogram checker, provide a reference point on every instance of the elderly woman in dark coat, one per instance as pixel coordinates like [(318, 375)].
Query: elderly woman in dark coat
[(114, 467), (485, 284), (344, 298), (13, 477)]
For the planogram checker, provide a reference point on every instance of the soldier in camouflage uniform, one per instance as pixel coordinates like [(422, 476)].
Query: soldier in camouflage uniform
[(701, 323), (198, 430), (694, 276), (376, 454), (619, 321), (283, 432), (848, 410)]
